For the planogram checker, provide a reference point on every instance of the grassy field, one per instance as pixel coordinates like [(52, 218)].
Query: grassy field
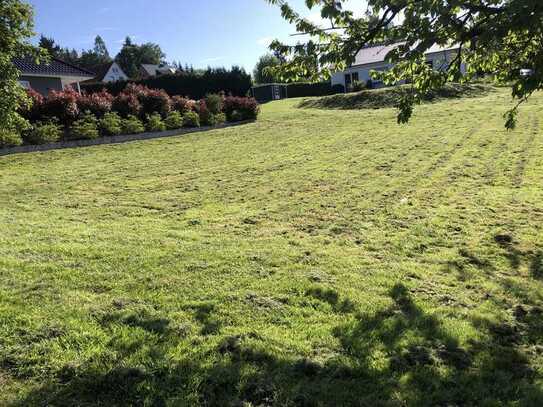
[(315, 257)]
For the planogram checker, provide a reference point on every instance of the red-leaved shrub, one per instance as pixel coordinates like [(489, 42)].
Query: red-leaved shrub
[(181, 104), (155, 100), (33, 110), (62, 105), (239, 108), (126, 104), (151, 100), (204, 113), (97, 103)]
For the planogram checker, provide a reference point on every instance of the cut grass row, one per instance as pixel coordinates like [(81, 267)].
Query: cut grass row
[(317, 257)]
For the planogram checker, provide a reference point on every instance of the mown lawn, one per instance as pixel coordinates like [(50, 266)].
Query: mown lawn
[(315, 257)]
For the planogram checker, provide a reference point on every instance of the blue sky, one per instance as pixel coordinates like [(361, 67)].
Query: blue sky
[(201, 32)]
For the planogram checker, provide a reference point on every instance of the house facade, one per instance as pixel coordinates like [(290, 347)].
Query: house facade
[(54, 75), (373, 59), (107, 73)]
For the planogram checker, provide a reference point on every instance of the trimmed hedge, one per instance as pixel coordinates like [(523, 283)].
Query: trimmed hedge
[(296, 90), (196, 85)]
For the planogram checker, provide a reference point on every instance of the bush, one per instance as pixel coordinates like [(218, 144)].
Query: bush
[(220, 118), (174, 121), (182, 105), (238, 109), (338, 88), (97, 103), (206, 118), (127, 104), (132, 125), (33, 110), (195, 83), (85, 128), (191, 119), (9, 138), (111, 124), (155, 123), (61, 105), (295, 90), (214, 103), (358, 86), (43, 133), (155, 101)]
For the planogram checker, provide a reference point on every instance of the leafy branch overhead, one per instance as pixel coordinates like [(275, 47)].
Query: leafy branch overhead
[(498, 37)]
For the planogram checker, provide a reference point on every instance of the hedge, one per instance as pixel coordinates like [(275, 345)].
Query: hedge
[(195, 85)]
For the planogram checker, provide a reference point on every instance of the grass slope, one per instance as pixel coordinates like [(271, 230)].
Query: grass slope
[(315, 257)]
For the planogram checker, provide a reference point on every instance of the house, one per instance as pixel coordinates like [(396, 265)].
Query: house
[(106, 73), (372, 58), (150, 70), (54, 75)]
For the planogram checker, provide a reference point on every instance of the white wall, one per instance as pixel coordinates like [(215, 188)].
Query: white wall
[(115, 74), (439, 59)]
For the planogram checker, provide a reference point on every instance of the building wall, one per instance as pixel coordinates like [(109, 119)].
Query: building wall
[(114, 74), (440, 60), (42, 84)]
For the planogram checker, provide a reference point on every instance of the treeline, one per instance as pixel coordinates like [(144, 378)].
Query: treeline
[(193, 84), (130, 57)]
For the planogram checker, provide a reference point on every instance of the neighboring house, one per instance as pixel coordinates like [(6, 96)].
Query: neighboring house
[(149, 70), (373, 59), (106, 73), (55, 75)]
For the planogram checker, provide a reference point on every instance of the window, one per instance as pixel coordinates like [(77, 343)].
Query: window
[(355, 76), (430, 63), (25, 84)]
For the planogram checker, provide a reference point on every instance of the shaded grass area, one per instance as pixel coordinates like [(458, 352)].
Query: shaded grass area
[(389, 97), (314, 257)]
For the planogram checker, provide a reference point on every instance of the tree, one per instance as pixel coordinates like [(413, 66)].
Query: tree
[(131, 56), (16, 28), (502, 37), (49, 44), (99, 55), (262, 72)]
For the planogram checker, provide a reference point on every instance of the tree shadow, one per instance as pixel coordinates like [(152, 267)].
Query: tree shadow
[(399, 355), (517, 257)]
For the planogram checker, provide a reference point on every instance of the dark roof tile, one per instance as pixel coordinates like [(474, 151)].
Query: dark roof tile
[(28, 66)]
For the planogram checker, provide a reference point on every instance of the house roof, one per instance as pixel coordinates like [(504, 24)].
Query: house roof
[(153, 70), (150, 69), (27, 66), (378, 53), (101, 71)]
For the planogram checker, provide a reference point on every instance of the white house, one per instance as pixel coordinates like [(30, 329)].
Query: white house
[(106, 73), (373, 59)]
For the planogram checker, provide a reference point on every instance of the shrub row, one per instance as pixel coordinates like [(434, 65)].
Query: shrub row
[(69, 115), (197, 84)]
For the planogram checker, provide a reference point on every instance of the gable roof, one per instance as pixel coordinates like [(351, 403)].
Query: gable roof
[(55, 67), (154, 70), (377, 53), (150, 69), (101, 71)]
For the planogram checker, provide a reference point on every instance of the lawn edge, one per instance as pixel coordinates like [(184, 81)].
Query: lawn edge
[(114, 139)]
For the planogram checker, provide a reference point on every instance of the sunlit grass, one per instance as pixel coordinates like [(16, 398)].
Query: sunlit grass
[(325, 257)]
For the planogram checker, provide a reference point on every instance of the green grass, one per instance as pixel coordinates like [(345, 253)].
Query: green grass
[(315, 257)]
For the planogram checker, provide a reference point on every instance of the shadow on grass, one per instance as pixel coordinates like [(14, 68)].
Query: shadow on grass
[(389, 97), (399, 355), (517, 257)]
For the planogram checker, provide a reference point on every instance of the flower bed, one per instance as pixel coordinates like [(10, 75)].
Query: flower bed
[(67, 115)]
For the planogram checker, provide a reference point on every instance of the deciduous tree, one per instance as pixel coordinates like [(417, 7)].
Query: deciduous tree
[(501, 37)]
